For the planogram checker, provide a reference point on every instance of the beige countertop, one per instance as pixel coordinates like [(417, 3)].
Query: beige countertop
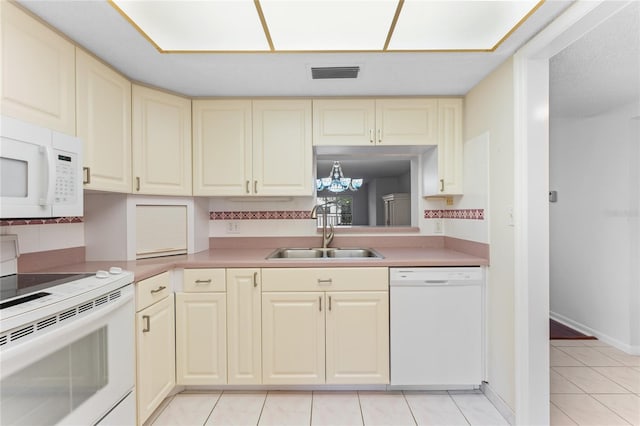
[(256, 258)]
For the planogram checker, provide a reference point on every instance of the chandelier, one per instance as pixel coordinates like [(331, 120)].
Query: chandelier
[(336, 182)]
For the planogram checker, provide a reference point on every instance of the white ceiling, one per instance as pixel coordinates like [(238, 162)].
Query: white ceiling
[(601, 70), (98, 27)]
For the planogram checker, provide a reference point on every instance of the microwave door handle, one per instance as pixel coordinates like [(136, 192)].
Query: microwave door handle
[(51, 177)]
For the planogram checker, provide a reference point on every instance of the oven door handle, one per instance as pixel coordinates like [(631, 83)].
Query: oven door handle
[(15, 358)]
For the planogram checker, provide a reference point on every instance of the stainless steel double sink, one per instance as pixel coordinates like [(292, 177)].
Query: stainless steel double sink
[(325, 253)]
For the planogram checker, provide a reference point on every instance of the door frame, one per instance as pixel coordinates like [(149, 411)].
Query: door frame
[(531, 208)]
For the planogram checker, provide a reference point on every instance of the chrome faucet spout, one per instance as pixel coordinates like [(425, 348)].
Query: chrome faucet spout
[(327, 237)]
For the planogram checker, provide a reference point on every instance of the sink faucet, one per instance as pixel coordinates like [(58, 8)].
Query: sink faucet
[(326, 237)]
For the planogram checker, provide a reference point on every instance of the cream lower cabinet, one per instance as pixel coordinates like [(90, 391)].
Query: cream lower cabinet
[(201, 352), (155, 344), (244, 338), (322, 325), (201, 328)]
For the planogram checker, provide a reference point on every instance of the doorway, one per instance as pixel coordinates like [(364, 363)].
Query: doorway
[(531, 76)]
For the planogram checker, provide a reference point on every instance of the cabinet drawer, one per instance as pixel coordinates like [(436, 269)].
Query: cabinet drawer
[(204, 280), (152, 289), (325, 279)]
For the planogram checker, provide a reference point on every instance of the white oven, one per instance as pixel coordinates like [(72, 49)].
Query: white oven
[(67, 349), (41, 171)]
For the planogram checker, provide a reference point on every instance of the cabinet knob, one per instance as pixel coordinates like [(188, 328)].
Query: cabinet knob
[(247, 188), (204, 281), (137, 183), (255, 186), (255, 279), (158, 290), (441, 185), (87, 174)]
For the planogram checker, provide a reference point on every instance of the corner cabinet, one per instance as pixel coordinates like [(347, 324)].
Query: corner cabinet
[(252, 148), (38, 72), (443, 166), (375, 121), (201, 328), (155, 343), (103, 122), (161, 139), (322, 325)]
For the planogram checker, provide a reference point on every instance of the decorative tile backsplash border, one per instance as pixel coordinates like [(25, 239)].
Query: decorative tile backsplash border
[(260, 215), (46, 221), (477, 214)]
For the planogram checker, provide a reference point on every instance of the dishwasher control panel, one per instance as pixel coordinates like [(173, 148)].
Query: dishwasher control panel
[(436, 274)]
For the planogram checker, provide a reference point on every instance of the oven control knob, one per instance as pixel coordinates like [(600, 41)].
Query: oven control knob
[(102, 274), (114, 270)]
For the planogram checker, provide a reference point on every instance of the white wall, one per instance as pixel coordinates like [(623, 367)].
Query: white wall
[(476, 192), (594, 239), (489, 111)]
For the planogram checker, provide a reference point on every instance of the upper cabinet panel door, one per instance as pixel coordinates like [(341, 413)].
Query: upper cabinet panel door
[(344, 122), (406, 121), (450, 159), (103, 124), (222, 147), (38, 72), (282, 148), (161, 128)]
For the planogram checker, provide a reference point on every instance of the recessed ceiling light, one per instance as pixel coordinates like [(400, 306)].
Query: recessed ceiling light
[(325, 25)]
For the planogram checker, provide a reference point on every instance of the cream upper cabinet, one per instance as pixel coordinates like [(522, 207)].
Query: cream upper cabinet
[(249, 148), (201, 351), (443, 166), (161, 138), (155, 359), (357, 342), (293, 336), (38, 72), (282, 149), (244, 336), (375, 121), (103, 122), (222, 147)]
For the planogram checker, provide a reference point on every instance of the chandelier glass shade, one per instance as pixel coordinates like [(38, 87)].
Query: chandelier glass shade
[(336, 182)]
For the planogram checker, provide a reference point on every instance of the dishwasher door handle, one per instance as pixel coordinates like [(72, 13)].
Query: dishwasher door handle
[(436, 281)]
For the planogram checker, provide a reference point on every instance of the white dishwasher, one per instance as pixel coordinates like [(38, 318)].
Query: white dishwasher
[(436, 326)]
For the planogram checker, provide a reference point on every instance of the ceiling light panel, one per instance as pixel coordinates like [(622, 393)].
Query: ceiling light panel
[(456, 25), (225, 25), (328, 25)]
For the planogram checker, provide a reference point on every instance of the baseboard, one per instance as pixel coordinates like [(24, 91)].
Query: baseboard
[(502, 407), (630, 349)]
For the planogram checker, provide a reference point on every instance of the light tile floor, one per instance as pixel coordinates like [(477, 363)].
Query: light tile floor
[(329, 409), (593, 383)]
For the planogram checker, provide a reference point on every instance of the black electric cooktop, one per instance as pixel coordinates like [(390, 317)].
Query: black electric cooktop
[(26, 284)]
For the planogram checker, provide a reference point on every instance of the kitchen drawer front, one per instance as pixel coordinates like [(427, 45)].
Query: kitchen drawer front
[(204, 280), (152, 289), (325, 279)]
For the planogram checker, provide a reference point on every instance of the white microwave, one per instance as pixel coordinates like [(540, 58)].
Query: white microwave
[(40, 172)]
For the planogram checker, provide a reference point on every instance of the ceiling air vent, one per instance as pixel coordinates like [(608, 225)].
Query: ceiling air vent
[(334, 72)]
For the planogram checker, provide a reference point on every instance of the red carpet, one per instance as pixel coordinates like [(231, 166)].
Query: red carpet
[(561, 331)]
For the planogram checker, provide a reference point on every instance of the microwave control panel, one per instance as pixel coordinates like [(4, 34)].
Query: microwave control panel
[(65, 191)]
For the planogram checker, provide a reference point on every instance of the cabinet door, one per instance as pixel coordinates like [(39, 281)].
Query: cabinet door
[(222, 144), (155, 361), (38, 72), (161, 129), (104, 124), (357, 337), (450, 159), (244, 321), (282, 150), (406, 121), (293, 338), (201, 350), (343, 121)]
